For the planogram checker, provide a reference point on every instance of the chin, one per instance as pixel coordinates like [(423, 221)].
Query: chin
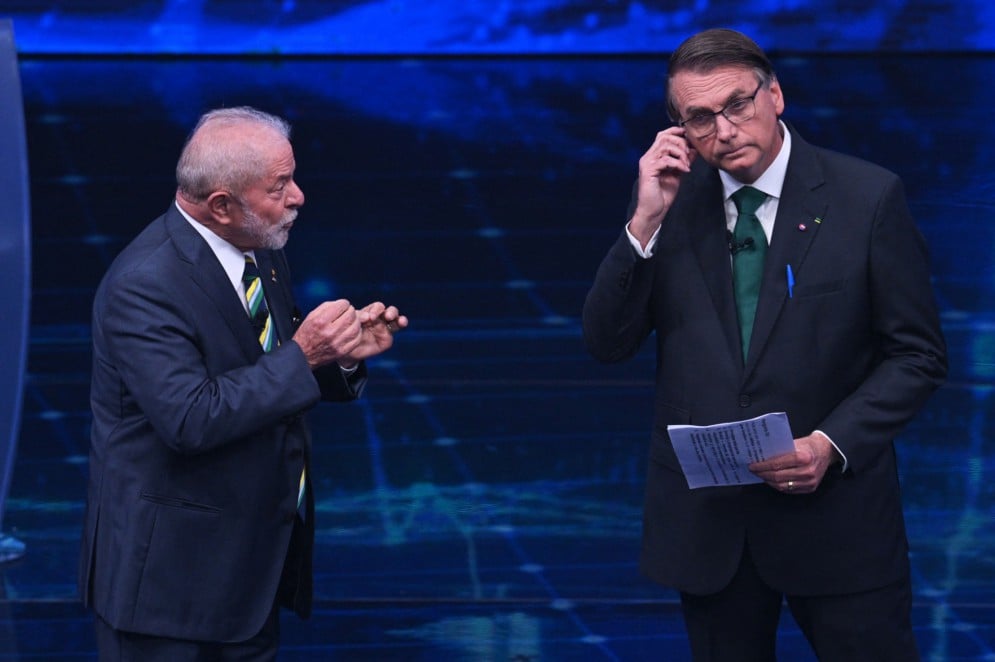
[(740, 170), (275, 242)]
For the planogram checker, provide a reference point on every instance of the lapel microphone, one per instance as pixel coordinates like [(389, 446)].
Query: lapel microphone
[(735, 247)]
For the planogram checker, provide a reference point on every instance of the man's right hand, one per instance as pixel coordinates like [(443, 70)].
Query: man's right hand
[(660, 171), (336, 332)]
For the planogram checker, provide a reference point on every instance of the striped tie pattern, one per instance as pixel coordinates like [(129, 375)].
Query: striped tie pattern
[(262, 323)]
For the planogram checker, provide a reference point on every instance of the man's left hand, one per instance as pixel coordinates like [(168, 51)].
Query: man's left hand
[(799, 472), (378, 324)]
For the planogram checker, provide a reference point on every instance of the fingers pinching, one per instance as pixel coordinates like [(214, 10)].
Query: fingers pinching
[(395, 320)]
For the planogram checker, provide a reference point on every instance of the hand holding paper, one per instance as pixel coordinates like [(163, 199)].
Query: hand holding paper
[(716, 455), (801, 471)]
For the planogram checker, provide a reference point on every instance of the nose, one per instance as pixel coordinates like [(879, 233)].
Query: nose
[(295, 197), (724, 128)]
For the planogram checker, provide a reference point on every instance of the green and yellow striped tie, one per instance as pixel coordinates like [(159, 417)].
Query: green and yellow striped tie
[(262, 323)]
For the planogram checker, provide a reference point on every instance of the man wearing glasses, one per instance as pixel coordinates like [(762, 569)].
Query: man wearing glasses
[(776, 277)]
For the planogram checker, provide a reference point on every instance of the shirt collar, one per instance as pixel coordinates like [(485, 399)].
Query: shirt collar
[(231, 258)]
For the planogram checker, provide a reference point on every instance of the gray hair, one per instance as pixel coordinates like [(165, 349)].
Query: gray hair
[(211, 161), (711, 49)]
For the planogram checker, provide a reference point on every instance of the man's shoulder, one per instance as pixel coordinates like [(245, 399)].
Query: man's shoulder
[(150, 250), (854, 165), (838, 164)]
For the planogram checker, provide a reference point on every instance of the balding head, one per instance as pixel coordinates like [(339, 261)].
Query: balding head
[(224, 151)]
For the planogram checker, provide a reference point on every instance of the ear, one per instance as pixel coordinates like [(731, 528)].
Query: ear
[(221, 205), (777, 96)]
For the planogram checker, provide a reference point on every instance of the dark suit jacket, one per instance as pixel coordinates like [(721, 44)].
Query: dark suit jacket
[(198, 442), (854, 352)]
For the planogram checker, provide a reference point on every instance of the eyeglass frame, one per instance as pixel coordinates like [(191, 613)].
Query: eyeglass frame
[(724, 113)]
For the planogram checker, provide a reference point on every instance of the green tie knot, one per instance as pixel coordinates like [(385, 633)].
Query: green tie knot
[(748, 200)]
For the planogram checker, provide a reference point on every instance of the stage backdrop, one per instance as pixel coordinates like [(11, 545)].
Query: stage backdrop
[(268, 27), (491, 458)]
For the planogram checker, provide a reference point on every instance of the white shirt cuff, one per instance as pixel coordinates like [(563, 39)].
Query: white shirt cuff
[(650, 245)]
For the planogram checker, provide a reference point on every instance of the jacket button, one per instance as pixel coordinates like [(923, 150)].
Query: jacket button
[(744, 401)]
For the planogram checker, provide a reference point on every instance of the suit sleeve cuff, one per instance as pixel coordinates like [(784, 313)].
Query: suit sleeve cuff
[(838, 451)]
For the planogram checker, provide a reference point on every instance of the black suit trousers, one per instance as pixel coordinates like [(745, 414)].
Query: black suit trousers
[(739, 624)]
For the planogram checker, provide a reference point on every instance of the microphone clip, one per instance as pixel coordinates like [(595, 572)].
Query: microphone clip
[(735, 247)]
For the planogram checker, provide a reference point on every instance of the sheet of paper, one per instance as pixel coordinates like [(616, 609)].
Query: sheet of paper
[(714, 455)]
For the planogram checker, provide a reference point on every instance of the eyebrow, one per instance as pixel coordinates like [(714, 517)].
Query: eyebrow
[(735, 95), (279, 180), (283, 174)]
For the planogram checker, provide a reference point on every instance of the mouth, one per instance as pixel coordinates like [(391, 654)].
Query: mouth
[(735, 153)]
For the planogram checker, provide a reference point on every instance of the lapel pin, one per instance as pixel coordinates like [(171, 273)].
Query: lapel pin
[(802, 227), (272, 275), (818, 220)]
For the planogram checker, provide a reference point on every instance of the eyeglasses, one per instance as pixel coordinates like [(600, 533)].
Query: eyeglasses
[(736, 111)]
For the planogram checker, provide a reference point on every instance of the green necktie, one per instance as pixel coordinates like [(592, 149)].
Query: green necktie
[(749, 249), (262, 323)]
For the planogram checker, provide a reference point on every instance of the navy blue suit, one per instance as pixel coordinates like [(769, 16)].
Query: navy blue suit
[(198, 443), (854, 351)]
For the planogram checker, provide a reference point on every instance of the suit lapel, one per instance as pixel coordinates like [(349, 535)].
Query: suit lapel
[(206, 271), (708, 236), (799, 216)]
